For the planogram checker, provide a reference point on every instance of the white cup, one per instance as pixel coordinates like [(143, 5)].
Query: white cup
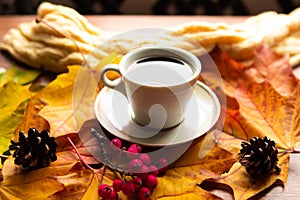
[(158, 82)]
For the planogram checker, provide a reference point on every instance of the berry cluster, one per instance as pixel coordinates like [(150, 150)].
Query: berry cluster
[(140, 177)]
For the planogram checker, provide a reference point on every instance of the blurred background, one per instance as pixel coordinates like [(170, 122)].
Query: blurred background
[(156, 7)]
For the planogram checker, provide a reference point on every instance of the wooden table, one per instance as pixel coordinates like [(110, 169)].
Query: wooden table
[(126, 23)]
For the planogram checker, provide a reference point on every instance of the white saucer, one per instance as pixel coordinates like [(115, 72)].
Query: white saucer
[(113, 112)]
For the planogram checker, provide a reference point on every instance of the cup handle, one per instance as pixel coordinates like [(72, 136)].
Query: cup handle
[(116, 84), (109, 83)]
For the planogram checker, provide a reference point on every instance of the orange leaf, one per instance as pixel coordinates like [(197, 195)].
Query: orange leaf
[(78, 185), (181, 180), (263, 112), (273, 68), (66, 153), (229, 69), (31, 118)]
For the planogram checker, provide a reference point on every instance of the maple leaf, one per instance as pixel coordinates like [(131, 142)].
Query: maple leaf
[(78, 185), (259, 104), (57, 98), (69, 99), (37, 184), (268, 66), (14, 92), (13, 101), (182, 179), (243, 185), (256, 106)]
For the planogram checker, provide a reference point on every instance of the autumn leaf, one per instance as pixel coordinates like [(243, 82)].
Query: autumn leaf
[(70, 97), (32, 118), (244, 186), (66, 152), (190, 170), (273, 68), (259, 104), (85, 89), (229, 69), (57, 97), (262, 112), (267, 66), (78, 185), (18, 75), (37, 184), (14, 92), (13, 102)]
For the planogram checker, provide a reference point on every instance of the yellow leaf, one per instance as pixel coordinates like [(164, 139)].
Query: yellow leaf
[(78, 185), (85, 89), (244, 186), (18, 75), (263, 112), (13, 101), (19, 183), (58, 99), (41, 189), (181, 181)]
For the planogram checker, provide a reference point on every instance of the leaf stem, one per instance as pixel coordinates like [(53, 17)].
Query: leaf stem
[(102, 174), (79, 155), (229, 174)]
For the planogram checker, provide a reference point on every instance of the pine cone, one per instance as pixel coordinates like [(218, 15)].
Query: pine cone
[(259, 156), (34, 151)]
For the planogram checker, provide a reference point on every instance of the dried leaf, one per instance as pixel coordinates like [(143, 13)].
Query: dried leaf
[(78, 185), (229, 69), (31, 118), (57, 96), (18, 75), (41, 189), (273, 68), (85, 89), (259, 104), (13, 101), (66, 153), (244, 186), (262, 111), (37, 184), (181, 180)]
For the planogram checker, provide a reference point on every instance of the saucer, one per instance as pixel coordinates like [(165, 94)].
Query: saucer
[(113, 112)]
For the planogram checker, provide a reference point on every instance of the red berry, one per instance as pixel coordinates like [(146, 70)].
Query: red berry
[(162, 165), (115, 144), (137, 183), (117, 185), (153, 170), (143, 174), (137, 147), (151, 182), (113, 196), (144, 193), (128, 188), (135, 166), (104, 191), (132, 153), (145, 158)]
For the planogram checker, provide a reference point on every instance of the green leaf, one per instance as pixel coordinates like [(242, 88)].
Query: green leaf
[(18, 75), (13, 101)]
